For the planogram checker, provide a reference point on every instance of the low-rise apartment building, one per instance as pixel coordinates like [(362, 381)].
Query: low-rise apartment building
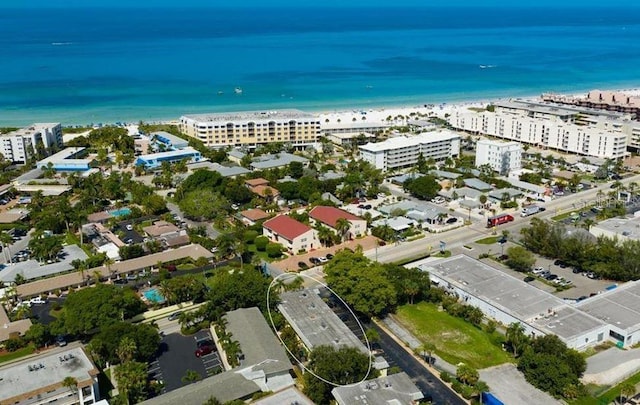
[(293, 235), (39, 379), (252, 128), (403, 151), (18, 146), (503, 157), (331, 216)]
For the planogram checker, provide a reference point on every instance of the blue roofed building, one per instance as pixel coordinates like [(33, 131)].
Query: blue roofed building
[(156, 159)]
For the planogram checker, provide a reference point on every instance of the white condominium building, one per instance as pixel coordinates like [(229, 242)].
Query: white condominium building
[(18, 146), (252, 128), (403, 151), (503, 157), (568, 129)]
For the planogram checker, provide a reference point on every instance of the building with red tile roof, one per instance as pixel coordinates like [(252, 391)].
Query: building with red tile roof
[(293, 235), (251, 216), (329, 217), (256, 182)]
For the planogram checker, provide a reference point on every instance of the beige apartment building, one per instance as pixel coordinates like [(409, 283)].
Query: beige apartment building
[(252, 128)]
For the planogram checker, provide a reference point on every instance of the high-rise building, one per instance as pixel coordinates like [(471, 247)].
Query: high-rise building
[(503, 157), (18, 146)]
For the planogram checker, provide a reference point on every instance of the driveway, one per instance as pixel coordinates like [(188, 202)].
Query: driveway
[(611, 366)]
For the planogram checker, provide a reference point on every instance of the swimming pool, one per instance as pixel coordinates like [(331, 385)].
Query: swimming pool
[(153, 295), (121, 212)]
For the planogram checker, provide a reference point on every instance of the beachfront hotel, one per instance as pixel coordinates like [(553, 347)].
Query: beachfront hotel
[(579, 130), (403, 151), (19, 145), (252, 128)]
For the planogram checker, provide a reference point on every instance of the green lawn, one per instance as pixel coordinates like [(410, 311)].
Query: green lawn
[(17, 354), (456, 340), (488, 241), (262, 255)]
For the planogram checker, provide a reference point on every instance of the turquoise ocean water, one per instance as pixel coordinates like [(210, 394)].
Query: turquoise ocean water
[(80, 66)]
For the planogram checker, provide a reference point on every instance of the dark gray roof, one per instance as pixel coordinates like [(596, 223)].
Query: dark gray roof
[(444, 174), (225, 387), (225, 171), (257, 341), (497, 194)]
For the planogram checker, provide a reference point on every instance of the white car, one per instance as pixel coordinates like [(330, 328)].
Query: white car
[(37, 300), (322, 259), (129, 227), (438, 200), (538, 270)]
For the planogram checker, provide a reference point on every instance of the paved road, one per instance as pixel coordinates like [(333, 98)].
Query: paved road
[(461, 236), (422, 377)]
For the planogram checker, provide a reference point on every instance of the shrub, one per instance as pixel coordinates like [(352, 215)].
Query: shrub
[(250, 236), (274, 250), (14, 344), (261, 243), (445, 376)]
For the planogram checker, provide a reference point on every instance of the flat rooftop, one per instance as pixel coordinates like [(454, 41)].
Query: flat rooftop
[(65, 154), (503, 291), (315, 323), (40, 374), (401, 142), (290, 396), (395, 389), (557, 109), (567, 322), (619, 307), (252, 116), (627, 227)]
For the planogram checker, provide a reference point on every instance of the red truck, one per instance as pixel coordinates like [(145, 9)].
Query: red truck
[(499, 220)]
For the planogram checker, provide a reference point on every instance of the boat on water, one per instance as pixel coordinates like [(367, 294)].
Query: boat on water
[(220, 92), (487, 66), (237, 90)]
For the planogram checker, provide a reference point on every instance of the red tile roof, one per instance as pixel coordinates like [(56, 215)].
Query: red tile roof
[(254, 214), (331, 215), (286, 226), (256, 182), (262, 191)]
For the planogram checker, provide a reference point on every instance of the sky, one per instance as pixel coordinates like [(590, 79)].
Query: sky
[(314, 3)]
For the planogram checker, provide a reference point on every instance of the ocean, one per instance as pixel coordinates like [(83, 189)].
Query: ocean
[(91, 65)]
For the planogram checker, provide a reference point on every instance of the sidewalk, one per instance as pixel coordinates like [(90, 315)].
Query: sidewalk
[(414, 343)]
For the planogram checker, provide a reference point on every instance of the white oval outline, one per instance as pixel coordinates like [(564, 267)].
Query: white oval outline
[(289, 351)]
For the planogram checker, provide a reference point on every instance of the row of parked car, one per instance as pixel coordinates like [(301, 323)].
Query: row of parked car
[(547, 275), (316, 261)]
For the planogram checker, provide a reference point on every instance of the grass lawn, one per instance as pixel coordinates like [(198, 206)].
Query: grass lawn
[(608, 396), (488, 241), (262, 255), (17, 354), (456, 340)]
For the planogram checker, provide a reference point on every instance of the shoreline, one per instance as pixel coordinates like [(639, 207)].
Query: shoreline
[(340, 111)]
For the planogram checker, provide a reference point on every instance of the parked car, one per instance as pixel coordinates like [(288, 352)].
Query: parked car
[(452, 220), (38, 300), (368, 207), (529, 279), (314, 260), (551, 277), (174, 315), (129, 227), (303, 265), (61, 341), (204, 348), (322, 259), (539, 270), (132, 277), (576, 270), (329, 256)]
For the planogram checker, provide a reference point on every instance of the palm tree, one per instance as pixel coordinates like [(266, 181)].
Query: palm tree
[(429, 348), (5, 241), (515, 336), (481, 387), (71, 383), (126, 349), (342, 226), (588, 223)]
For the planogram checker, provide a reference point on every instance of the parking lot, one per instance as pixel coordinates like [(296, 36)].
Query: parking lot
[(177, 356)]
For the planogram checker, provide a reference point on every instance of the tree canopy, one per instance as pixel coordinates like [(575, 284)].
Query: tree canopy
[(345, 365), (424, 187), (89, 309), (145, 338)]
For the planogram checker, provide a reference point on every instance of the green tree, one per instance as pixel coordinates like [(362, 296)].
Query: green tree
[(191, 376), (467, 374), (233, 289), (296, 170), (520, 259), (38, 334), (203, 204), (424, 188), (131, 251), (92, 308), (141, 342), (362, 283), (627, 390), (342, 366), (516, 338), (132, 381), (45, 247), (71, 383)]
